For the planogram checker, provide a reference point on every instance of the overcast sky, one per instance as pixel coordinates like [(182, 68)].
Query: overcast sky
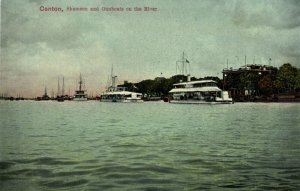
[(38, 47)]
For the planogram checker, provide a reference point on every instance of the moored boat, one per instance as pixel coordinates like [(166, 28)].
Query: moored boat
[(120, 94), (80, 93), (45, 97), (60, 92), (198, 92)]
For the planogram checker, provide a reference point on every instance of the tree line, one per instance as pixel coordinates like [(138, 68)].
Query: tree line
[(285, 79)]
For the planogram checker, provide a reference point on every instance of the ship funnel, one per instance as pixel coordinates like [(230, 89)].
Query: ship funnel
[(188, 77)]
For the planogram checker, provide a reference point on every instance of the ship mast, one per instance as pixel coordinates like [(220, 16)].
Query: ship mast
[(80, 82), (63, 87), (113, 78), (45, 91), (52, 93), (182, 66), (58, 87)]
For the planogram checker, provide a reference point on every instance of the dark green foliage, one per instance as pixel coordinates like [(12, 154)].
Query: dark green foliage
[(266, 85), (160, 86), (286, 79)]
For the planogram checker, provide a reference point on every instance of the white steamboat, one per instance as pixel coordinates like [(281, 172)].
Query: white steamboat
[(197, 92), (120, 94)]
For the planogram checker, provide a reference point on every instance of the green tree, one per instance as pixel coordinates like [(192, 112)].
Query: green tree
[(145, 86), (286, 78), (265, 85), (297, 84)]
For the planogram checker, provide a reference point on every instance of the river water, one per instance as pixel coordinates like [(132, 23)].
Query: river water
[(91, 145)]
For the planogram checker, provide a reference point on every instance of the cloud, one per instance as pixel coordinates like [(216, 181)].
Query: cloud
[(276, 14), (24, 23), (38, 47)]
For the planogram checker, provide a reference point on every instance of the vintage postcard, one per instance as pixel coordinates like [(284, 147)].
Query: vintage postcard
[(150, 95)]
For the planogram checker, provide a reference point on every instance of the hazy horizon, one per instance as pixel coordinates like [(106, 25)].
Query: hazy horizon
[(39, 47)]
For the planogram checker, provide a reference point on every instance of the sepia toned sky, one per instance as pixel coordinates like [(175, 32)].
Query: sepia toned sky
[(39, 47)]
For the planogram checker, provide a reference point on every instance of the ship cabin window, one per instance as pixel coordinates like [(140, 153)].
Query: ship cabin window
[(179, 86), (197, 85), (207, 84), (121, 88), (211, 84)]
